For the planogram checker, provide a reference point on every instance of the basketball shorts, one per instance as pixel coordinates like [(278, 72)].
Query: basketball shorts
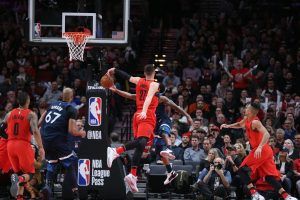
[(5, 165), (21, 156), (145, 127)]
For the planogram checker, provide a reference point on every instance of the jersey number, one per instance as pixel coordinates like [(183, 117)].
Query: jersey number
[(143, 94), (16, 129), (52, 117)]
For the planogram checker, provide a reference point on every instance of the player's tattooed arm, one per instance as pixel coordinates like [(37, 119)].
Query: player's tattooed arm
[(177, 108), (33, 120)]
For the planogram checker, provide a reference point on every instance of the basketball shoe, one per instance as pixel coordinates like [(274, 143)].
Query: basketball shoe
[(111, 156), (170, 177), (168, 153), (131, 181)]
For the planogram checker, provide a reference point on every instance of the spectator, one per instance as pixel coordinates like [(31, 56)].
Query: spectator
[(285, 167), (178, 140), (171, 79), (178, 151), (289, 131), (241, 76), (215, 181), (227, 144), (52, 94), (271, 92), (205, 163), (194, 153), (279, 138), (191, 72), (289, 146), (234, 158), (297, 142), (207, 146), (185, 143), (272, 143)]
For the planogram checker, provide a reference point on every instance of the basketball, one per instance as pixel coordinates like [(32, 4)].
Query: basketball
[(106, 81)]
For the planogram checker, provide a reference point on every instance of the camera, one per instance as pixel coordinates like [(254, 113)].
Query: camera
[(218, 166)]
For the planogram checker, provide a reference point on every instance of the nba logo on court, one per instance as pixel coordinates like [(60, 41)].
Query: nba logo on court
[(95, 107), (84, 175)]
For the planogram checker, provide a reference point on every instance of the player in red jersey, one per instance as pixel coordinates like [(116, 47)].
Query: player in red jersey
[(260, 160), (162, 128), (144, 120), (21, 124)]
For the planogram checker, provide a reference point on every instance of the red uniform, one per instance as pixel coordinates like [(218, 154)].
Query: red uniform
[(5, 165), (144, 127), (265, 165), (20, 152)]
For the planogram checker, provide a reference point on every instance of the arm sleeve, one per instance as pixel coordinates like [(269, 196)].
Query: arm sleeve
[(122, 74), (71, 112)]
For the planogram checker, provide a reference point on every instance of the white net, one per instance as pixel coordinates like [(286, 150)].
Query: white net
[(76, 42)]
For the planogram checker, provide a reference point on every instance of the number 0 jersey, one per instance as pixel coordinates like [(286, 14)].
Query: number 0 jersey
[(56, 121), (18, 126), (142, 89)]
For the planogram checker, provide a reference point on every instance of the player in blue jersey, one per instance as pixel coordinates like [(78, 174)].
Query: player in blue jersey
[(163, 129), (56, 124)]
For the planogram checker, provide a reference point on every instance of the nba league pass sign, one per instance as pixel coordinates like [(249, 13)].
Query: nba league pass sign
[(93, 175)]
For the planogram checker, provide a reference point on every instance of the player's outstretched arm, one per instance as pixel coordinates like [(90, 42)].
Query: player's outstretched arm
[(33, 120), (152, 90), (123, 75), (237, 125), (171, 103), (122, 93)]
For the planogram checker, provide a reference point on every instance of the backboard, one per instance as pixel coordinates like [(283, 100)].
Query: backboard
[(105, 20)]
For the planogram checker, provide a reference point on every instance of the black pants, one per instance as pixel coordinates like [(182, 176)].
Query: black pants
[(208, 193)]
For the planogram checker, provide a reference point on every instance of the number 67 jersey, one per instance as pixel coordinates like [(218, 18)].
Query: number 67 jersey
[(56, 121)]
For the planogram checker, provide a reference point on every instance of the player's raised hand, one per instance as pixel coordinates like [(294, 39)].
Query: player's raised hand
[(142, 115), (224, 126)]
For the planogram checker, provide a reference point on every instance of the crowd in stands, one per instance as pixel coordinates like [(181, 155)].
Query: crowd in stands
[(221, 65)]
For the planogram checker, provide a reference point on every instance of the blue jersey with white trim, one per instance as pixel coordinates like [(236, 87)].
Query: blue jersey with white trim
[(56, 121)]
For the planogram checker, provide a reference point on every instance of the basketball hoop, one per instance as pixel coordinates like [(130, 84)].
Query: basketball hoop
[(76, 42)]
